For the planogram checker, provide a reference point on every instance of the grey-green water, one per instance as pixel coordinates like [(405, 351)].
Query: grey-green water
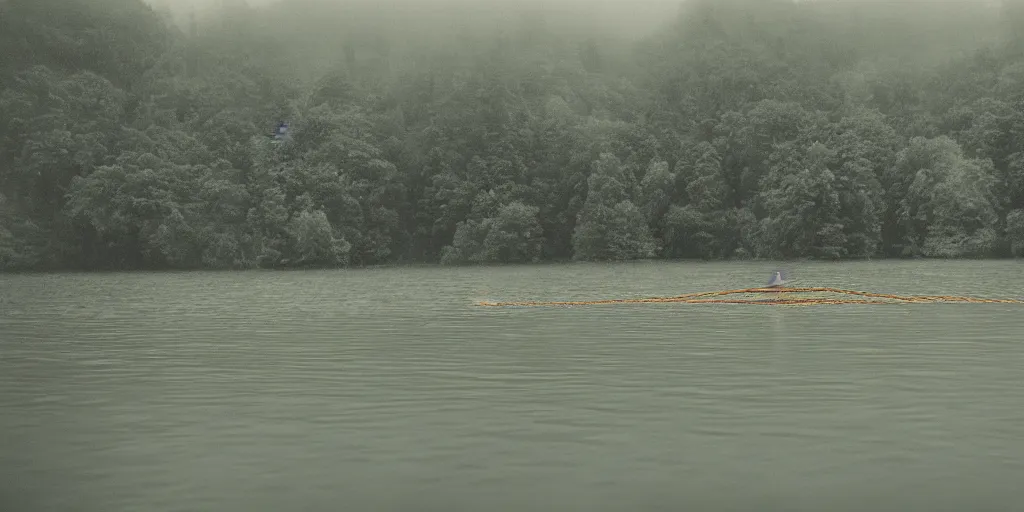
[(387, 390)]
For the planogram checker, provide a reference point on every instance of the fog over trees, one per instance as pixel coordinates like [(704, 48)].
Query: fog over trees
[(141, 136)]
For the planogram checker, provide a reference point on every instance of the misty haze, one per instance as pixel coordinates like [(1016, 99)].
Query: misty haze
[(468, 255)]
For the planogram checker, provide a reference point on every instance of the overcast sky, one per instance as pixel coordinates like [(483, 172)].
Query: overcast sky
[(629, 16)]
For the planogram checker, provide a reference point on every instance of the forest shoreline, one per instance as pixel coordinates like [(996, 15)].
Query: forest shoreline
[(486, 265), (320, 134)]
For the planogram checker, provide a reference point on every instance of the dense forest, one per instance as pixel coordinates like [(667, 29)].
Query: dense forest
[(137, 138)]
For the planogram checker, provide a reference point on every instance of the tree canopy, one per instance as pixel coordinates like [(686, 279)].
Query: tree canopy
[(131, 138)]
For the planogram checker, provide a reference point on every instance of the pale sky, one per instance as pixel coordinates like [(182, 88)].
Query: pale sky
[(624, 15)]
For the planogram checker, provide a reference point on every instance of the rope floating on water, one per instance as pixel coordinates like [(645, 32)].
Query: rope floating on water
[(720, 297)]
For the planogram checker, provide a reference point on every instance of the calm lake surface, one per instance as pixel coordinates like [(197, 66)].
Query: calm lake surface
[(389, 390)]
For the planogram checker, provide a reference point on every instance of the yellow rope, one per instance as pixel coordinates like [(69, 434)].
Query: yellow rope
[(711, 298)]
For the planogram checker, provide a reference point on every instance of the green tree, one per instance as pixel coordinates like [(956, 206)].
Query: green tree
[(804, 206), (949, 209), (513, 235), (610, 225), (1015, 232)]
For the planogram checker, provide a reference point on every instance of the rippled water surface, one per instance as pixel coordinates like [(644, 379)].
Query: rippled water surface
[(388, 390)]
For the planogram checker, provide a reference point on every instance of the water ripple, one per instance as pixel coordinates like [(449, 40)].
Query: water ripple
[(386, 389)]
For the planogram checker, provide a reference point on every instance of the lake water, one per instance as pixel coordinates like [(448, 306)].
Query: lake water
[(389, 390)]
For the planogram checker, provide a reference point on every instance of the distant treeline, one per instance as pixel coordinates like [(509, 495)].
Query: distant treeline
[(738, 129)]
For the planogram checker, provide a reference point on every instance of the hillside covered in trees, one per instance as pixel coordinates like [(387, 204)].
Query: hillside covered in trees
[(734, 129)]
